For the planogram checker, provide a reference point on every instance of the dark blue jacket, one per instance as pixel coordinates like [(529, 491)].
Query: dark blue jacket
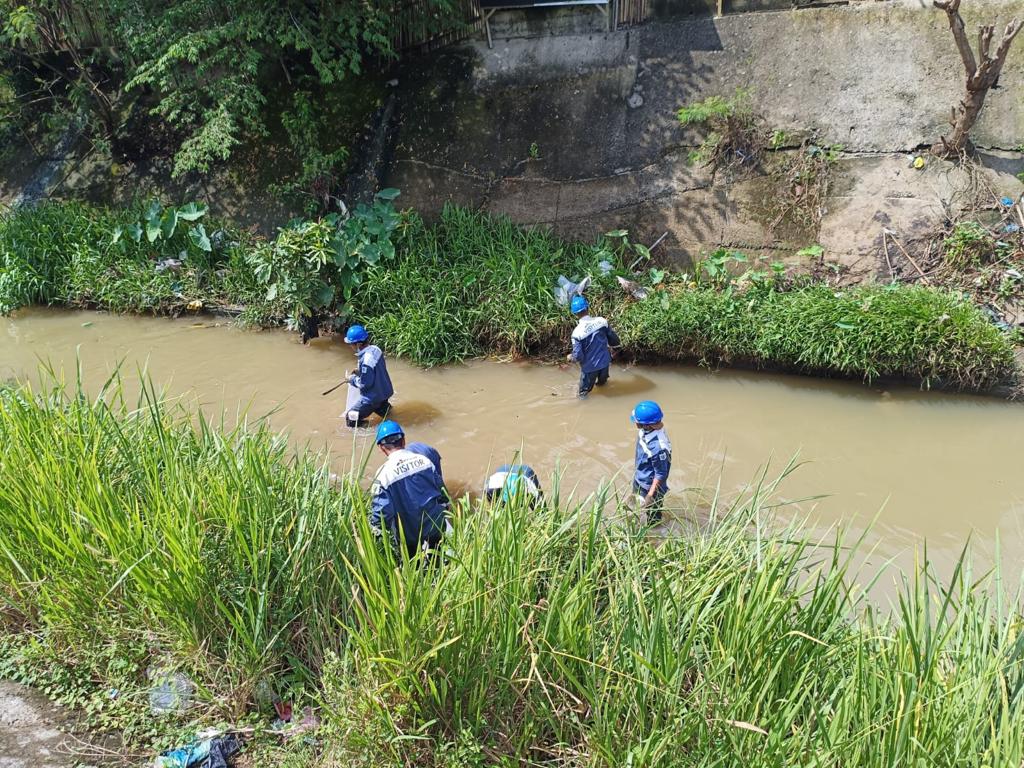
[(409, 498), (653, 460), (371, 378), (590, 341)]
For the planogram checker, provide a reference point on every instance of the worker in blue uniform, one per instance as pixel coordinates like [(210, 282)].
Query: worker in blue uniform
[(653, 458), (409, 500), (592, 340), (370, 378), (511, 481)]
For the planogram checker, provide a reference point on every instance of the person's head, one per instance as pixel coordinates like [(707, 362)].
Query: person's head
[(647, 415), (579, 306), (390, 437), (357, 337)]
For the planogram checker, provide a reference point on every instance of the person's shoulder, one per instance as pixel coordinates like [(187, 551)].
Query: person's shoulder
[(422, 449)]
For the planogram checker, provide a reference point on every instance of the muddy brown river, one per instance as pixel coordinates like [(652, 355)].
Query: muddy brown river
[(913, 466)]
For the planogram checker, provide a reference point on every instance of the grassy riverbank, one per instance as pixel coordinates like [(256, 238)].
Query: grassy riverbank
[(134, 537), (471, 285)]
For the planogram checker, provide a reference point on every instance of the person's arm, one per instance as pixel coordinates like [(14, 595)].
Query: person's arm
[(382, 512), (613, 338), (661, 465), (577, 349), (652, 493)]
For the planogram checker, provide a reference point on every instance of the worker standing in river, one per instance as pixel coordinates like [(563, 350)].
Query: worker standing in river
[(653, 458), (510, 481), (409, 503), (370, 378), (592, 340)]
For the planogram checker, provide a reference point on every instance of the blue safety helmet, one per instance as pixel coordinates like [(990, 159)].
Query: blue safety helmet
[(578, 304), (646, 413), (355, 334), (389, 429)]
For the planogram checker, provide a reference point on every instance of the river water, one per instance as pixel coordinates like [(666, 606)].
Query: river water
[(913, 466)]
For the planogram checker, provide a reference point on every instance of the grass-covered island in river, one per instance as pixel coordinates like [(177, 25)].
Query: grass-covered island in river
[(471, 284), (138, 537)]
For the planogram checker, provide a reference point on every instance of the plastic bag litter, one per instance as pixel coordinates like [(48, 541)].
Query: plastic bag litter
[(635, 290), (566, 289), (170, 692), (604, 267)]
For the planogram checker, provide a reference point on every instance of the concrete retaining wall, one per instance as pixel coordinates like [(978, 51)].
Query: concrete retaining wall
[(579, 132)]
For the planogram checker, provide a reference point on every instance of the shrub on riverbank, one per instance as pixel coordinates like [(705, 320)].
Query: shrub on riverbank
[(472, 284), (80, 255), (552, 637), (867, 331)]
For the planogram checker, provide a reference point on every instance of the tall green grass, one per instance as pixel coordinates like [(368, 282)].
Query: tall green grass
[(868, 331), (65, 253), (560, 636), (471, 285)]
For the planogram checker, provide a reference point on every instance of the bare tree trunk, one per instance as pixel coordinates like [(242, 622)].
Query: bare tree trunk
[(981, 75)]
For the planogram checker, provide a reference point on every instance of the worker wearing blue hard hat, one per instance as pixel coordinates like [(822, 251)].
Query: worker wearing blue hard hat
[(370, 378), (510, 482), (653, 458), (410, 503), (592, 340)]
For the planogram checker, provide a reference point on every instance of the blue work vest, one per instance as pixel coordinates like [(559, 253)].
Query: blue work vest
[(408, 492), (371, 378), (590, 341), (653, 460)]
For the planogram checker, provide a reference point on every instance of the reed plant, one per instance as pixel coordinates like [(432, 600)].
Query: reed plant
[(471, 284), (557, 636), (869, 332)]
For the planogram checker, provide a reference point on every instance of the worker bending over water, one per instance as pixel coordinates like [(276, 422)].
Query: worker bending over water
[(508, 481), (592, 340), (410, 502), (370, 378), (653, 458)]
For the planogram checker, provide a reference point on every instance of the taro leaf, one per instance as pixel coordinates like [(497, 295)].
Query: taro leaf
[(192, 211), (813, 251), (616, 233), (370, 253), (388, 194), (349, 280), (387, 250), (845, 326), (168, 223), (643, 250), (153, 210), (199, 239), (115, 236), (272, 292), (152, 229), (135, 231), (325, 295)]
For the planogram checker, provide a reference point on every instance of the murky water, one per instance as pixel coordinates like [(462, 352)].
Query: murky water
[(928, 465)]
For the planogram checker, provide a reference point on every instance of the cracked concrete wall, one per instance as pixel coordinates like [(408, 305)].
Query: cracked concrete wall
[(579, 132)]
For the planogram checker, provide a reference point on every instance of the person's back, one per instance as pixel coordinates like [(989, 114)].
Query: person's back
[(593, 337), (372, 378), (409, 499), (592, 340), (509, 479)]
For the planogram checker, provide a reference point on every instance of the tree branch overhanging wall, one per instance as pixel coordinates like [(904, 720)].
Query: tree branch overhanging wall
[(982, 73)]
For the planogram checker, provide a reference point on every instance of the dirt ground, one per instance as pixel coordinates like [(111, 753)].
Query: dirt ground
[(30, 730)]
